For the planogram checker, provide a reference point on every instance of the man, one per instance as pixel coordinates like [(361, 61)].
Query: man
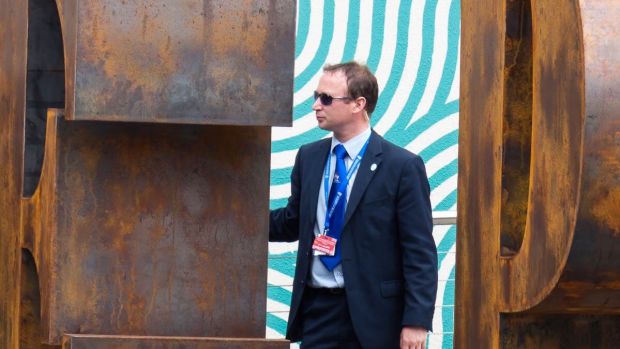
[(366, 273)]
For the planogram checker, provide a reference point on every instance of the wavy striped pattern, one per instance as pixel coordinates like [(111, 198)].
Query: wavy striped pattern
[(413, 48)]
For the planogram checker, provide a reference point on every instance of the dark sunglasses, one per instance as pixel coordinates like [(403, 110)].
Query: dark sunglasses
[(327, 99)]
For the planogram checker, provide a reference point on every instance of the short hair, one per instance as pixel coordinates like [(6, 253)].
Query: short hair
[(360, 82)]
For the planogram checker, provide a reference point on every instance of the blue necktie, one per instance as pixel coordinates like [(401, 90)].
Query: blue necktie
[(337, 218)]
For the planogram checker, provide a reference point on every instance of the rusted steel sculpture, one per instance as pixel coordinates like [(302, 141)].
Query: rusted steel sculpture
[(133, 206), (538, 248)]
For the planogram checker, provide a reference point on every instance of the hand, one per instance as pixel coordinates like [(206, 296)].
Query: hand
[(413, 338)]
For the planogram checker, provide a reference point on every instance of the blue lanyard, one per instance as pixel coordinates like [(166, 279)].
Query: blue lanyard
[(342, 187)]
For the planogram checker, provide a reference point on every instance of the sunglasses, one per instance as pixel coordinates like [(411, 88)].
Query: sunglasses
[(327, 99)]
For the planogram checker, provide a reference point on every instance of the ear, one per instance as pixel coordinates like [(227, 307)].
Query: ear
[(359, 104)]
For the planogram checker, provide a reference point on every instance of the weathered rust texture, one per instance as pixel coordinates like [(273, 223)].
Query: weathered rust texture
[(191, 61), (132, 342), (538, 230), (526, 331), (155, 227), (136, 229), (13, 34), (29, 304), (517, 124)]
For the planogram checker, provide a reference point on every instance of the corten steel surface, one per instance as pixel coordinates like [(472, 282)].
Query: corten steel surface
[(128, 342), (539, 175), (187, 61), (145, 228), (13, 34), (150, 229)]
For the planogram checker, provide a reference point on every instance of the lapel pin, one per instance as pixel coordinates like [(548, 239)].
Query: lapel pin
[(373, 167)]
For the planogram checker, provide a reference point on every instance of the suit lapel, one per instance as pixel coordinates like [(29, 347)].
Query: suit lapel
[(364, 174), (314, 174)]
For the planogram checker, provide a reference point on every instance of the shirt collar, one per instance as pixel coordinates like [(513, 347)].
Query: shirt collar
[(354, 145)]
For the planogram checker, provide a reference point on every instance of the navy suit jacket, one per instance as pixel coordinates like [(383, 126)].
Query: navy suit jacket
[(389, 258)]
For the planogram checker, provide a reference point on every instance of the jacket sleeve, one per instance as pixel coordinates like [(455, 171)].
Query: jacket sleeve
[(284, 222), (419, 252)]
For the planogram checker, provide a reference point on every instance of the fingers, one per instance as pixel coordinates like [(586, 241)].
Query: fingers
[(411, 338), (419, 344)]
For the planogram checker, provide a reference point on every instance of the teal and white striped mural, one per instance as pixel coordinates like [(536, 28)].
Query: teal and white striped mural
[(413, 48)]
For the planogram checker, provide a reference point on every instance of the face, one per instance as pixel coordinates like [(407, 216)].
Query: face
[(339, 115)]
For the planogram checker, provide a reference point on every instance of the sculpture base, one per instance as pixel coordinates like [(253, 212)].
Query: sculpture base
[(86, 341), (559, 331)]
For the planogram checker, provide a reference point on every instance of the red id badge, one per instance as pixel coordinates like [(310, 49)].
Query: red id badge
[(325, 244)]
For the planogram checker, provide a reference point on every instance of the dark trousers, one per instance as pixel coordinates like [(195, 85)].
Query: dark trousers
[(326, 320)]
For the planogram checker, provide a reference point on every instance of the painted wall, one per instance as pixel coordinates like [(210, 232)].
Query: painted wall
[(413, 48)]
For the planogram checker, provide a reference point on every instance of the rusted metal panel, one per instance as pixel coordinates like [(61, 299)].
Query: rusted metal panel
[(13, 33), (151, 227), (593, 264), (526, 331), (194, 61), (144, 229), (538, 229), (555, 169), (480, 139), (72, 341)]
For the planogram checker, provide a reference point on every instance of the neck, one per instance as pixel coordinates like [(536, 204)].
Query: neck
[(345, 135)]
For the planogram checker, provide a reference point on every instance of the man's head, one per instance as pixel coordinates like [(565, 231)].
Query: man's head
[(360, 82), (344, 99)]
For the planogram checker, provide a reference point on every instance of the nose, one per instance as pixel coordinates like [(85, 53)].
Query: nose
[(317, 104)]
